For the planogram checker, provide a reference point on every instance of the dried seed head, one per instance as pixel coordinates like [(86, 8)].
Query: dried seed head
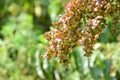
[(68, 32)]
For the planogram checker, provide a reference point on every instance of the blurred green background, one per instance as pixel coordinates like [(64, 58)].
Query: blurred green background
[(22, 25)]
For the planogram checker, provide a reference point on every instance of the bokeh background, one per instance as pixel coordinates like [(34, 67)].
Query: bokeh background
[(22, 25)]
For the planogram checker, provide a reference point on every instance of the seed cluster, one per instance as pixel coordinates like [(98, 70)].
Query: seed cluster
[(69, 33), (95, 23)]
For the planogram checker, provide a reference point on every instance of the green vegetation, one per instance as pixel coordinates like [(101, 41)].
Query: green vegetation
[(22, 25)]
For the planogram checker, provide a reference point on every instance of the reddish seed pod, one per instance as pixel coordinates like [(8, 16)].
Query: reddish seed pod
[(68, 32)]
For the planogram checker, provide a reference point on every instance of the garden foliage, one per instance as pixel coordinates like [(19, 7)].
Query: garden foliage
[(22, 42)]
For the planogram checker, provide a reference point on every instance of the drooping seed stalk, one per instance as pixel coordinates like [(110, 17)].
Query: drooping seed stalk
[(69, 32)]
